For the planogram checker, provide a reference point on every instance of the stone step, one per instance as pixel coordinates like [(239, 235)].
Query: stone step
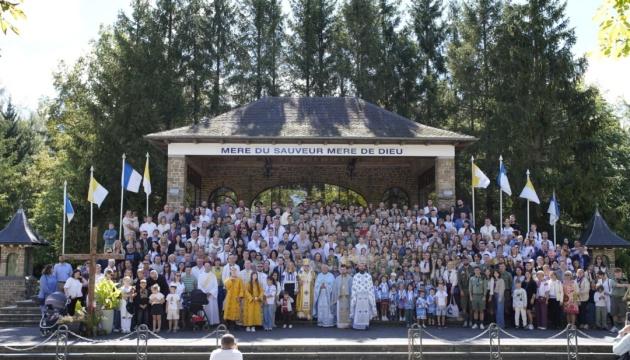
[(18, 323), (9, 310), (26, 303), (21, 317)]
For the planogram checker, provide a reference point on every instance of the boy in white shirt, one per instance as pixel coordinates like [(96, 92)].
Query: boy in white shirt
[(440, 301), (601, 308), (519, 302)]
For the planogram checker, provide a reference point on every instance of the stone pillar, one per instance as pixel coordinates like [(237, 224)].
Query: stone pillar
[(176, 180), (445, 180)]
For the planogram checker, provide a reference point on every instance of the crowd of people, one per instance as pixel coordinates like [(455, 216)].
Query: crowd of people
[(346, 266)]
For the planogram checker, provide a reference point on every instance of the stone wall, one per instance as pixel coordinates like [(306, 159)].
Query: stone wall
[(445, 180), (176, 180), (19, 252), (12, 289), (371, 177)]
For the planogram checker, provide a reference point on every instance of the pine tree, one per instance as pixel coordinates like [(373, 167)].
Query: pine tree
[(258, 51), (219, 38), (364, 40), (430, 35), (309, 49)]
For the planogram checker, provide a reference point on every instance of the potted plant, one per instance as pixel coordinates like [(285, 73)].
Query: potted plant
[(107, 297)]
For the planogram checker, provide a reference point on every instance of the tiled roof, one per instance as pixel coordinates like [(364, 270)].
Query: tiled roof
[(599, 235), (309, 117), (19, 232)]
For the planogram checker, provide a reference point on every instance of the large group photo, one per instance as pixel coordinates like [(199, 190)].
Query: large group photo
[(315, 179)]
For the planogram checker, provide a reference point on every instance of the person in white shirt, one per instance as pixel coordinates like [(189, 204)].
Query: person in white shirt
[(148, 225), (508, 230), (487, 230), (254, 243), (228, 350), (72, 289)]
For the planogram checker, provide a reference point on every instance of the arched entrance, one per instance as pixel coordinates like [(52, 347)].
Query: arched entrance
[(297, 193), (218, 196)]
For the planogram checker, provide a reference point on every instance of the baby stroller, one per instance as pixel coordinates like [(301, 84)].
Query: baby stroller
[(55, 308), (195, 304)]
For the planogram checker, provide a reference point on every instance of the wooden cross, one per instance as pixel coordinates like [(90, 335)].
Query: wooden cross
[(92, 257)]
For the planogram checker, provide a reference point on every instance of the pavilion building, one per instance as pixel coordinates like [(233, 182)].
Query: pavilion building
[(337, 148)]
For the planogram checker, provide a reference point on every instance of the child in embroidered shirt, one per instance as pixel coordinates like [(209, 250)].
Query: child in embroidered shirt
[(409, 304), (269, 304), (286, 309), (383, 290), (401, 301), (431, 306), (173, 305), (601, 308), (421, 309), (393, 303)]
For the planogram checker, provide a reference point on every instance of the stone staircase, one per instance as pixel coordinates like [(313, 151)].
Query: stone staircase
[(22, 313)]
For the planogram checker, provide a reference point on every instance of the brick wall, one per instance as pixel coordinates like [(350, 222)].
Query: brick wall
[(5, 267), (12, 289), (445, 180), (176, 180), (246, 175)]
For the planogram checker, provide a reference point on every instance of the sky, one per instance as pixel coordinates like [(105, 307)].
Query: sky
[(61, 30)]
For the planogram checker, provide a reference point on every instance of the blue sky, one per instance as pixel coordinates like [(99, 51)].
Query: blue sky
[(58, 30)]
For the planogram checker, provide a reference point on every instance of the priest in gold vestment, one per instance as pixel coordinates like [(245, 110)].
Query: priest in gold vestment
[(306, 282)]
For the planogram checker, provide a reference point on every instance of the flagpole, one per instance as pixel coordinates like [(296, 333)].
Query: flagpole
[(500, 195), (122, 194), (472, 160), (145, 190), (63, 231), (527, 205), (91, 203), (555, 242)]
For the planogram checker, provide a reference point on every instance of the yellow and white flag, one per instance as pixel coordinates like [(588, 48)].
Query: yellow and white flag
[(146, 180), (479, 179), (96, 193), (529, 193)]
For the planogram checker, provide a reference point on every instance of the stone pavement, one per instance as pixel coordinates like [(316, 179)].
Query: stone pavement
[(306, 334)]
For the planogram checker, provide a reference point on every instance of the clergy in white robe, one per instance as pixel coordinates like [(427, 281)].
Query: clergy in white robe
[(323, 298), (207, 283), (362, 301), (341, 297)]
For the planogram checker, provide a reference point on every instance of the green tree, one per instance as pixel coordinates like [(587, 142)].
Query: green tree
[(309, 56), (259, 51), (614, 27), (220, 40), (10, 9), (364, 46), (430, 34)]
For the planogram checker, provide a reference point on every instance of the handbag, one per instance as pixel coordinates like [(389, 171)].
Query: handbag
[(452, 310)]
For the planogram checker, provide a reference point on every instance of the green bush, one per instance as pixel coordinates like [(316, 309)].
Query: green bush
[(107, 295)]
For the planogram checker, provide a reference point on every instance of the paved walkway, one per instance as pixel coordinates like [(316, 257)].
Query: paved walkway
[(311, 335)]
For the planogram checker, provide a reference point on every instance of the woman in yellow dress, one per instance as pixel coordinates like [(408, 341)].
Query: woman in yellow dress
[(253, 297), (234, 288)]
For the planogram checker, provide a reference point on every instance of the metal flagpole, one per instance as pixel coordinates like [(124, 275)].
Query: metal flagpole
[(145, 190), (555, 205), (472, 160), (63, 231), (527, 204), (122, 194), (91, 202), (500, 194)]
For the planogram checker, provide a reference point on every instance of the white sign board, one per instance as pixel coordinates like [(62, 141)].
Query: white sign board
[(357, 150)]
